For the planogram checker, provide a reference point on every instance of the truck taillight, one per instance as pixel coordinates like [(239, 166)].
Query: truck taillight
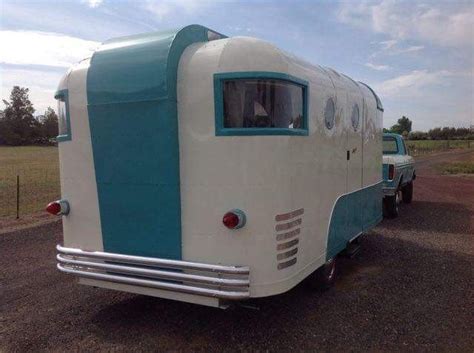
[(58, 208), (391, 171), (234, 219)]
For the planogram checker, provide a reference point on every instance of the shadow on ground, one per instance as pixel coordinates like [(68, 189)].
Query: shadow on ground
[(430, 216), (377, 303)]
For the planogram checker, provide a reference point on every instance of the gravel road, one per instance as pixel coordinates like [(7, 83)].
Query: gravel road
[(410, 288)]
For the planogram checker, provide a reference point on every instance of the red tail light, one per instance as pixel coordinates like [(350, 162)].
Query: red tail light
[(391, 171), (234, 219), (53, 208), (57, 208)]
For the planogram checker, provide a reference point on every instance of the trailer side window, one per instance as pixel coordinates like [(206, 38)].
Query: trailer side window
[(260, 104), (64, 124), (329, 114), (355, 117), (390, 145)]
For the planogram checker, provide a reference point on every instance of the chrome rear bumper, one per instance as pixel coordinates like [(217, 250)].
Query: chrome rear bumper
[(216, 281)]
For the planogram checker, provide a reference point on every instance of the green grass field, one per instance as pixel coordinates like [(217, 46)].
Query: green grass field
[(431, 146), (38, 169)]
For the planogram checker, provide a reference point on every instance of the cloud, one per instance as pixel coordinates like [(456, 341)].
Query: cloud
[(411, 84), (388, 44), (393, 47), (43, 48), (163, 8), (93, 3), (377, 67), (409, 49), (407, 20)]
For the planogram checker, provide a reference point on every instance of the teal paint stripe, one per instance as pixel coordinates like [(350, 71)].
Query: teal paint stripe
[(219, 78), (353, 214), (131, 89)]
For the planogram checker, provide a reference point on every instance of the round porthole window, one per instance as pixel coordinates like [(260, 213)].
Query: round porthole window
[(355, 117), (329, 113)]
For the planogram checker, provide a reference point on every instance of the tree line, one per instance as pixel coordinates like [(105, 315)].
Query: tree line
[(403, 127), (18, 125)]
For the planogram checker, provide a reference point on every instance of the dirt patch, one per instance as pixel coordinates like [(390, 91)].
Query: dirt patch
[(9, 224)]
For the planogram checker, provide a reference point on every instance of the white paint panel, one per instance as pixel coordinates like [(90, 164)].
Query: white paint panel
[(262, 175), (78, 184)]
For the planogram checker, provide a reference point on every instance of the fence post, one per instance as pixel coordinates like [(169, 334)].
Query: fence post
[(17, 197)]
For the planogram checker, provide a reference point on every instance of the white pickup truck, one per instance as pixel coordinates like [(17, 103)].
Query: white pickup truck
[(398, 173)]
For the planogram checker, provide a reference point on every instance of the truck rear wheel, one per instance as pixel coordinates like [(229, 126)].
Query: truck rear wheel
[(391, 205), (407, 192), (325, 276)]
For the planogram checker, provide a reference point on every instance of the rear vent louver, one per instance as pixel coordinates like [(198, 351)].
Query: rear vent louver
[(287, 229)]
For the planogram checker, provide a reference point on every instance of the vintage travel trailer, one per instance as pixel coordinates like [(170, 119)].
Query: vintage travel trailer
[(208, 169)]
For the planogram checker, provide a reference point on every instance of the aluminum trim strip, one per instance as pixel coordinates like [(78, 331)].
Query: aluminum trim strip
[(231, 295), (289, 215), (286, 264), (287, 254), (153, 273), (140, 260), (291, 234), (287, 245), (285, 226)]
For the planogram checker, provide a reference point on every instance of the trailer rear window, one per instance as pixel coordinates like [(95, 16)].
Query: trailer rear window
[(260, 105), (390, 145), (64, 124)]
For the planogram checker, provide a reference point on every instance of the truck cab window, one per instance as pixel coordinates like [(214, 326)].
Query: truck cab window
[(390, 145)]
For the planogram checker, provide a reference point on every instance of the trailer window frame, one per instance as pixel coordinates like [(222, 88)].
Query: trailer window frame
[(63, 96), (220, 130)]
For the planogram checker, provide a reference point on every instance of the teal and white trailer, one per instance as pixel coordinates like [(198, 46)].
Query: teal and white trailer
[(208, 169)]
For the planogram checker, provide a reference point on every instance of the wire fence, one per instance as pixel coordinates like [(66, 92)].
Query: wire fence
[(27, 192)]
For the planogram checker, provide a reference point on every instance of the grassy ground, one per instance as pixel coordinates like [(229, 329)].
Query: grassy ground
[(457, 167), (38, 169), (430, 146)]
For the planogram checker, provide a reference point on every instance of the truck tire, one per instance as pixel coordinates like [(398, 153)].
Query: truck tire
[(391, 205), (407, 192), (325, 276)]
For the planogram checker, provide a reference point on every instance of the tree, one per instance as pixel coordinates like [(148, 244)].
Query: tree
[(49, 122), (403, 124), (18, 125), (418, 135)]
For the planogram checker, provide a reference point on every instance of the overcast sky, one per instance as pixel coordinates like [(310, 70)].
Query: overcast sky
[(418, 56)]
